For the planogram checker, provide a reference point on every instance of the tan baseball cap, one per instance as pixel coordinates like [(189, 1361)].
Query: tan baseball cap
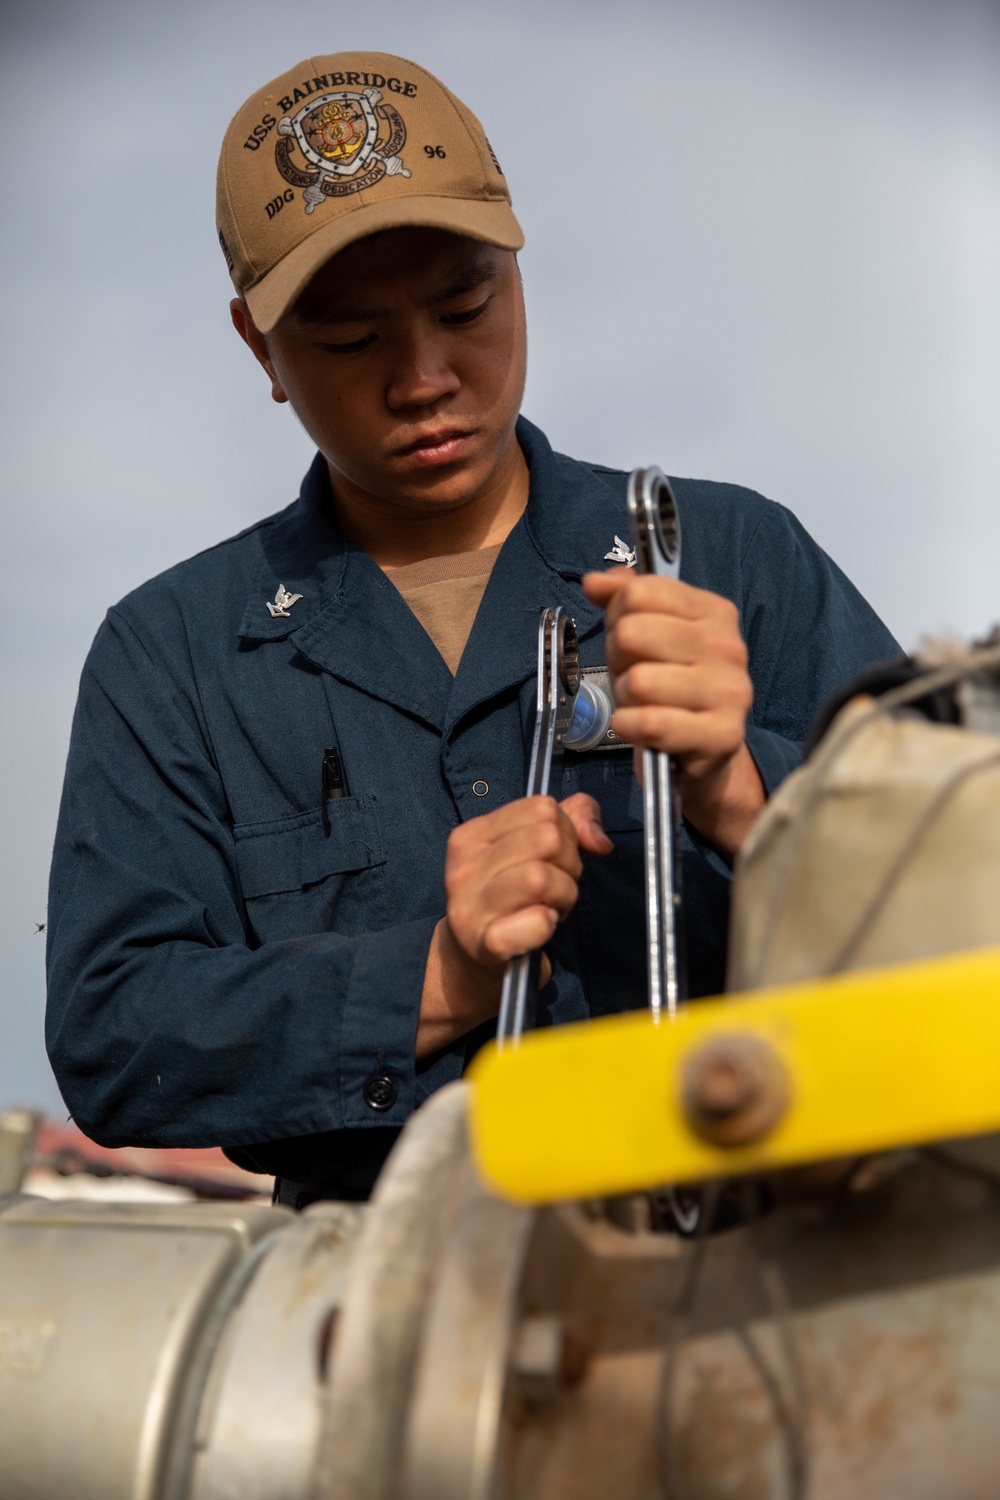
[(340, 147)]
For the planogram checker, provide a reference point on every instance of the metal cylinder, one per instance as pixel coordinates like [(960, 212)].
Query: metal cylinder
[(163, 1353), (441, 1344)]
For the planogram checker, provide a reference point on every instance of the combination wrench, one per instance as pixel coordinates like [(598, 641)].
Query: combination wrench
[(656, 537), (558, 685)]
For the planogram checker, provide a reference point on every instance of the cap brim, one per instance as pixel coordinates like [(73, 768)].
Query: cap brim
[(273, 295)]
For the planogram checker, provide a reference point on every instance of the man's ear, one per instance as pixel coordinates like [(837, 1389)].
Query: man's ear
[(257, 344)]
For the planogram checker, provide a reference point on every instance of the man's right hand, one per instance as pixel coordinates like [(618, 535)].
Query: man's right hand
[(510, 877)]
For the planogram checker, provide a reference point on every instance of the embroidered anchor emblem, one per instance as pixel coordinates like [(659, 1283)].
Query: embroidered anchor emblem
[(283, 602), (621, 553)]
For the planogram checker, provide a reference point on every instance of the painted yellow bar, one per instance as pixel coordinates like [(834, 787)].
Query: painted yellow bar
[(878, 1059)]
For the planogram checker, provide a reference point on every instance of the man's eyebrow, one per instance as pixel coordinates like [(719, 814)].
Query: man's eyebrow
[(325, 317), (466, 280)]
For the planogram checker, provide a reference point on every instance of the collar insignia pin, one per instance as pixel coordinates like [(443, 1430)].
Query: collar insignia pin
[(283, 602), (621, 553)]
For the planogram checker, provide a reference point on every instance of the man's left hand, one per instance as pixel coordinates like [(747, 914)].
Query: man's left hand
[(678, 666)]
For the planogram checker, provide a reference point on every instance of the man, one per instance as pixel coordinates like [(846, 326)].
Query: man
[(294, 852)]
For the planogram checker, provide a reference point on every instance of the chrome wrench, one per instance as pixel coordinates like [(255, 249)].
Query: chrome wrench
[(656, 536), (558, 684)]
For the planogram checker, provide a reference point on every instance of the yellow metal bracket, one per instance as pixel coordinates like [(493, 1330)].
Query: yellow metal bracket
[(873, 1061)]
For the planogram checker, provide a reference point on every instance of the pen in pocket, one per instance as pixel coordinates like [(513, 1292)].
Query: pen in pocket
[(334, 784)]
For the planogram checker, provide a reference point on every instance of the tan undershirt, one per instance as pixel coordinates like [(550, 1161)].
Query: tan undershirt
[(445, 594)]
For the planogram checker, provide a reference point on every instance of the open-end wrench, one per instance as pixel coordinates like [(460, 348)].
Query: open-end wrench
[(656, 534), (558, 684)]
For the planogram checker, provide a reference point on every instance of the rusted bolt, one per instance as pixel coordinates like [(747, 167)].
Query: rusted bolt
[(734, 1090), (545, 1359)]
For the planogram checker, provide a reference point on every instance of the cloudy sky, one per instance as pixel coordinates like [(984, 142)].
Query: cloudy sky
[(762, 246)]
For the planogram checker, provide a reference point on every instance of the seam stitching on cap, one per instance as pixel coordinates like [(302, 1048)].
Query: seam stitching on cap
[(460, 112)]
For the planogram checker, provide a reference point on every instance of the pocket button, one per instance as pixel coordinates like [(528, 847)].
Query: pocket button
[(380, 1093)]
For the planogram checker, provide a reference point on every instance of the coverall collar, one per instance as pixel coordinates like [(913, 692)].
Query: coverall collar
[(353, 623)]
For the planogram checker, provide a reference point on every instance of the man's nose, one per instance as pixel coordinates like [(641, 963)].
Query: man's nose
[(421, 373)]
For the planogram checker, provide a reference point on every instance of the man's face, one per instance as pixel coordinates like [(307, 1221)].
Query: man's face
[(404, 359)]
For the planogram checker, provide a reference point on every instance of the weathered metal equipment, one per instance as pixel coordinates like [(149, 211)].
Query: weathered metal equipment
[(445, 1344), (161, 1351)]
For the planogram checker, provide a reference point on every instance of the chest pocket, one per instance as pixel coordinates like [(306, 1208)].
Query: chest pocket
[(289, 854)]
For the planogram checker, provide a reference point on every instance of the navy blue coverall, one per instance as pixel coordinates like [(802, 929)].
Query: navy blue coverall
[(227, 967)]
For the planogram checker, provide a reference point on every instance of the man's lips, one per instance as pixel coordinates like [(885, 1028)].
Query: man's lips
[(434, 448)]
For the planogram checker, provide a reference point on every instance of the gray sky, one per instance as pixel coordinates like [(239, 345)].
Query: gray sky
[(762, 246)]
